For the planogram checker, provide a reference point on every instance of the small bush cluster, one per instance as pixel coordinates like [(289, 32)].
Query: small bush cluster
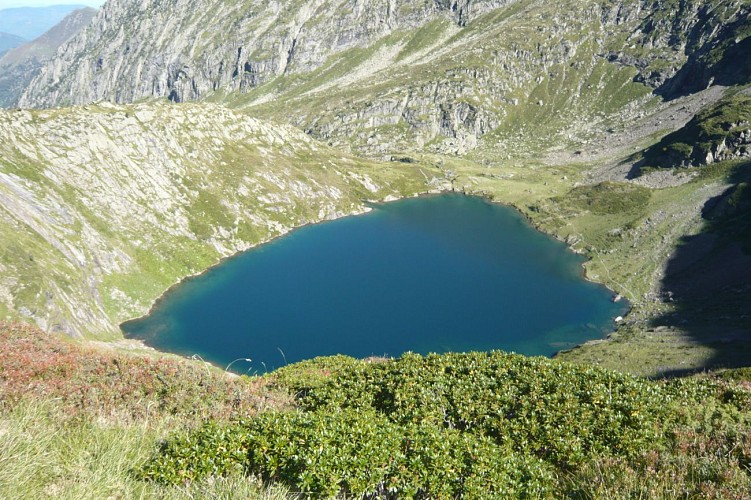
[(609, 198), (352, 453)]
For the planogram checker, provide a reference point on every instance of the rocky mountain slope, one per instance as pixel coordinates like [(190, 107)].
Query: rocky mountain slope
[(551, 107), (381, 76), (103, 208), (141, 49), (20, 65)]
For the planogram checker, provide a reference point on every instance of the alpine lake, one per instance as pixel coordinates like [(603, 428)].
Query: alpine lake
[(429, 274)]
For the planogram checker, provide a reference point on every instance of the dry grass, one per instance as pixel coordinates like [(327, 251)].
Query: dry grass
[(75, 421)]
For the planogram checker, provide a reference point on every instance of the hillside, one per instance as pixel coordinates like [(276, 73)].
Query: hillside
[(188, 57), (76, 419), (717, 133), (20, 65), (426, 76)]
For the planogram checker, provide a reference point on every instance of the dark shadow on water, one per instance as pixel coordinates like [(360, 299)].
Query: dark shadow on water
[(708, 280)]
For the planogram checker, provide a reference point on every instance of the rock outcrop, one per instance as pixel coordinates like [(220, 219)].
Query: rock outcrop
[(719, 133)]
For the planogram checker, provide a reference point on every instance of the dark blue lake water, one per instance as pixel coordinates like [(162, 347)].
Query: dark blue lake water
[(434, 274)]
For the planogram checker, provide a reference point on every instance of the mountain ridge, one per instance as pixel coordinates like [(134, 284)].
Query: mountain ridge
[(271, 32), (19, 65), (8, 42), (31, 22)]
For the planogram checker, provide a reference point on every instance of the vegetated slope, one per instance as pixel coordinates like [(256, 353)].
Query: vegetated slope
[(513, 83), (97, 381), (8, 41), (695, 313), (481, 425), (31, 22), (20, 65), (103, 208), (90, 422), (76, 420)]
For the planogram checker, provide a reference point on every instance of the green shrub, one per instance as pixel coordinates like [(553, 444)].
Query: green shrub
[(562, 413), (353, 453), (478, 424)]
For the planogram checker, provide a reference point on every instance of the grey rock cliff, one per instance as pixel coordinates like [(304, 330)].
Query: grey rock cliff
[(184, 49)]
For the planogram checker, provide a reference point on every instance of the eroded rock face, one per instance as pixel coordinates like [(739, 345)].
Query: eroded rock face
[(184, 49), (383, 76)]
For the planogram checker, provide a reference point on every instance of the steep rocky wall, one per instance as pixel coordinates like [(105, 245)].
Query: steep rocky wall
[(184, 49)]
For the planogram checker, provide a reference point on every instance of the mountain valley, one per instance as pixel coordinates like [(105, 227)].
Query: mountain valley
[(162, 136), (525, 102)]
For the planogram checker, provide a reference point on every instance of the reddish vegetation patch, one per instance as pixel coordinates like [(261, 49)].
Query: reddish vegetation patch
[(85, 380)]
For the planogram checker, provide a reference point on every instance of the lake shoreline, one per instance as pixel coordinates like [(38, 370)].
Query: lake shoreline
[(364, 208)]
